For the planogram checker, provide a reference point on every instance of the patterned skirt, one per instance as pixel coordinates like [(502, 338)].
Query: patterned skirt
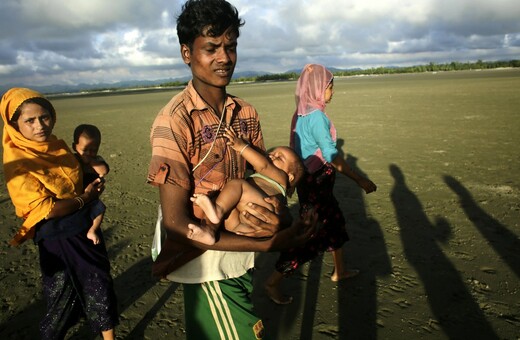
[(316, 190), (76, 283)]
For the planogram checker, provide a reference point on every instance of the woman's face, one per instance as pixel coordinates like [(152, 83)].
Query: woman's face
[(34, 122)]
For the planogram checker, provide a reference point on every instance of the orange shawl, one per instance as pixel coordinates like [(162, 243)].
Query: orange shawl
[(37, 173)]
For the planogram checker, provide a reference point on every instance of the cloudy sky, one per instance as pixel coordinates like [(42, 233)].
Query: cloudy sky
[(44, 42)]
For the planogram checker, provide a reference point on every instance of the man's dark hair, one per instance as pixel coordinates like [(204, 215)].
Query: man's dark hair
[(206, 17), (90, 130)]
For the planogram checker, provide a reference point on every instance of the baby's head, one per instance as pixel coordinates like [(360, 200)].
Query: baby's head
[(87, 139), (286, 159)]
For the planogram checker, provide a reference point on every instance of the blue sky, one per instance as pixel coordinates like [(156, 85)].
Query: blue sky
[(45, 42)]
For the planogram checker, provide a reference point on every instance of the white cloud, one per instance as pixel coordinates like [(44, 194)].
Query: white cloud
[(88, 41)]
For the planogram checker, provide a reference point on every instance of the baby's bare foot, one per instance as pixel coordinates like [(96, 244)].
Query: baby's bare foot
[(201, 235), (205, 203)]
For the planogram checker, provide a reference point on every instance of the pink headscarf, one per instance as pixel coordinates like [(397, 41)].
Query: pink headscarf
[(310, 96), (310, 90)]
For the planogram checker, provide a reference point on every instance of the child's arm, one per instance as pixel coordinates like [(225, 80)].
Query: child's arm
[(259, 161), (100, 166), (341, 166)]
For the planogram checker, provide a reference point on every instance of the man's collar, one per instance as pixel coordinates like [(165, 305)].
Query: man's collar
[(197, 103)]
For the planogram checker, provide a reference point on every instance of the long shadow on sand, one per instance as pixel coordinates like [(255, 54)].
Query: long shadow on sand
[(452, 305), (505, 243), (278, 320), (356, 298), (129, 287)]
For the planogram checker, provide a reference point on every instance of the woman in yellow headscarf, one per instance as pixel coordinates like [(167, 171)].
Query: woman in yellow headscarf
[(44, 182)]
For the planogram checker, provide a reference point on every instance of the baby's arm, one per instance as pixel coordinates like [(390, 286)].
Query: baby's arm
[(258, 160)]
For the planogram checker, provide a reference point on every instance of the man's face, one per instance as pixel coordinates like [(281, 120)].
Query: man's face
[(212, 59)]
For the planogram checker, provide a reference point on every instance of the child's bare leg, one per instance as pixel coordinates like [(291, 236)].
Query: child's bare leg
[(340, 272), (226, 200), (92, 232), (108, 335), (272, 288), (212, 211), (205, 233)]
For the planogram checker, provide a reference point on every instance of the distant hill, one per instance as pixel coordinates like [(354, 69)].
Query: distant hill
[(83, 87), (58, 89), (331, 69), (136, 84), (54, 89)]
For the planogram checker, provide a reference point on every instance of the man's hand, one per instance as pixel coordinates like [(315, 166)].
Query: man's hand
[(260, 217)]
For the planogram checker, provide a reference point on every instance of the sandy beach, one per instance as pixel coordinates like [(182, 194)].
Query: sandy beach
[(437, 245)]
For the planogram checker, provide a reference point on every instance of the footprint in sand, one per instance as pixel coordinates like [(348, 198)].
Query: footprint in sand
[(464, 256), (488, 270), (402, 302), (479, 287), (383, 313), (409, 280)]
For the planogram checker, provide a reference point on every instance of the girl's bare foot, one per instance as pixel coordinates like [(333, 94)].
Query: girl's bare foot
[(205, 203), (202, 235), (345, 275), (91, 235)]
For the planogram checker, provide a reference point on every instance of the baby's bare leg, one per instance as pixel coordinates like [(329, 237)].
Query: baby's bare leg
[(205, 233), (233, 192), (226, 200), (210, 209), (92, 232), (215, 212)]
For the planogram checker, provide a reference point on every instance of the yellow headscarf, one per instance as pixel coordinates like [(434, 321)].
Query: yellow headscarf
[(37, 173)]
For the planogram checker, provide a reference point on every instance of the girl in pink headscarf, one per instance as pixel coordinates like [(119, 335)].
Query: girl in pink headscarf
[(313, 137)]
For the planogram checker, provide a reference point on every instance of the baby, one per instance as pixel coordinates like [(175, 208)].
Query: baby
[(87, 139), (276, 174)]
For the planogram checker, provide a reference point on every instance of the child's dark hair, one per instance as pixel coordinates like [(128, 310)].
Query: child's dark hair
[(298, 169), (90, 130), (36, 100), (206, 17)]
